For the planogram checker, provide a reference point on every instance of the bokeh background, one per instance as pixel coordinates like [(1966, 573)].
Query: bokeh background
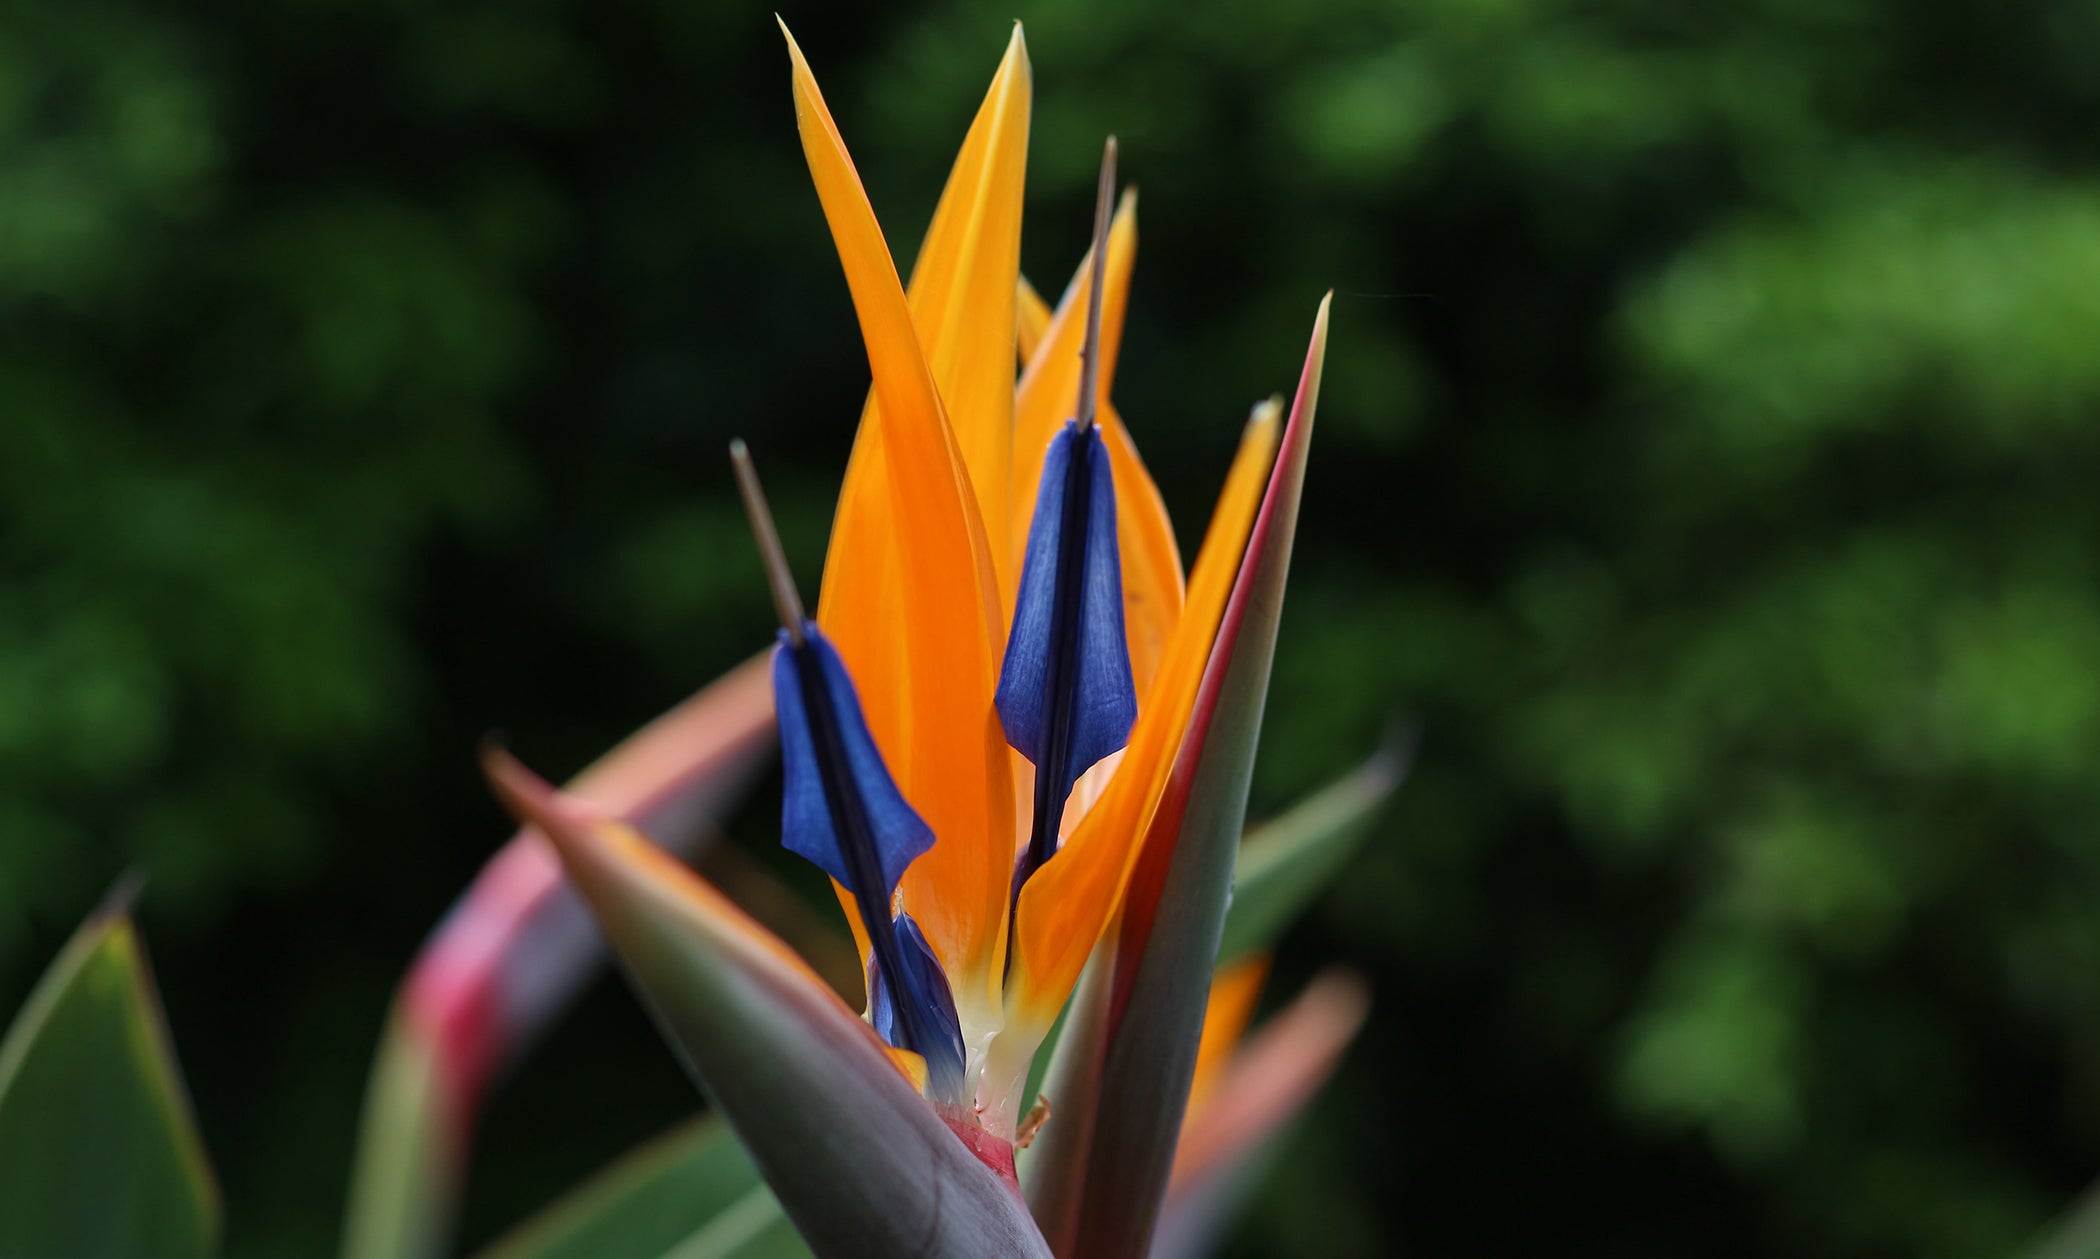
[(1708, 462)]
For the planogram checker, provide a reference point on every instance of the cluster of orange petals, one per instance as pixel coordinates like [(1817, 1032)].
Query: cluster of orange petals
[(926, 548)]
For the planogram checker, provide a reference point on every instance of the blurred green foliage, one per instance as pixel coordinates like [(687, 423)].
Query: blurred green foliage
[(1707, 459)]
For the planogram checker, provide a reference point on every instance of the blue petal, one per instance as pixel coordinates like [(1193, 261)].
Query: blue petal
[(1107, 695), (1068, 650), (939, 1038), (841, 809)]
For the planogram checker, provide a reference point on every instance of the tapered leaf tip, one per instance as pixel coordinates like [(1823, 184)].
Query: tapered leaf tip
[(795, 57), (122, 895), (562, 818), (1343, 996), (1298, 433), (530, 798), (1395, 756)]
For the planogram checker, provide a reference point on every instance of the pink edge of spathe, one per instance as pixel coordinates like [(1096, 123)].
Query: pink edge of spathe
[(453, 997), (1141, 903)]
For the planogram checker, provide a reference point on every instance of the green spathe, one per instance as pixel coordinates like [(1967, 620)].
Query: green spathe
[(860, 1162)]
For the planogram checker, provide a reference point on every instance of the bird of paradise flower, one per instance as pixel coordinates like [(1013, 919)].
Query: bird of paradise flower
[(1015, 736)]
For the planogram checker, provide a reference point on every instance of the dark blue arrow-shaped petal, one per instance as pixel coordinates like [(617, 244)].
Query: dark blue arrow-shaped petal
[(925, 987), (843, 811), (1065, 694), (859, 829)]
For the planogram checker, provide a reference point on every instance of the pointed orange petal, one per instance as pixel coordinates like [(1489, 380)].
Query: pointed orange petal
[(975, 235), (859, 603), (1031, 319), (962, 286), (1151, 560), (951, 759), (1115, 294), (1233, 992), (1066, 905), (859, 606)]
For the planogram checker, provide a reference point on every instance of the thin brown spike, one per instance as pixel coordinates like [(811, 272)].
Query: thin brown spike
[(1090, 354), (786, 600)]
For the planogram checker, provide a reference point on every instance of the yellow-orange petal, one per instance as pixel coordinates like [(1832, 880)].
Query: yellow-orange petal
[(1233, 992), (1065, 906), (1031, 319), (961, 292), (859, 602), (971, 246), (948, 753), (911, 1065), (1150, 558), (858, 605)]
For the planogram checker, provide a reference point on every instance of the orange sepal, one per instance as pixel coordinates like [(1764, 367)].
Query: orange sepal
[(858, 601), (961, 292), (948, 753), (1233, 992), (1031, 319), (1145, 546)]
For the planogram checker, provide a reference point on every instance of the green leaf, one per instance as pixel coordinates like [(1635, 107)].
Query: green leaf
[(2077, 1234), (1284, 864), (693, 1191), (99, 1154), (1174, 917), (410, 1152), (858, 1158)]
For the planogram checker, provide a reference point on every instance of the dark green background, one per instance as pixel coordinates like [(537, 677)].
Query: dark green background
[(1707, 459)]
